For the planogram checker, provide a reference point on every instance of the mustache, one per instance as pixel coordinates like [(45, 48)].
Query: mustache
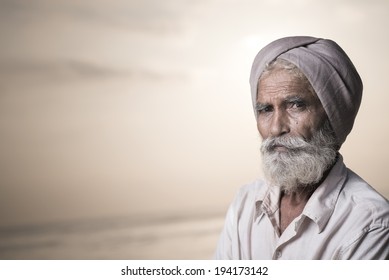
[(292, 143)]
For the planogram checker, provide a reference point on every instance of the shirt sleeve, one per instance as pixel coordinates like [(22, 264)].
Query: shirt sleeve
[(372, 244), (224, 246)]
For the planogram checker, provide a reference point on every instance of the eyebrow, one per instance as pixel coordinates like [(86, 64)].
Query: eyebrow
[(289, 99), (294, 98)]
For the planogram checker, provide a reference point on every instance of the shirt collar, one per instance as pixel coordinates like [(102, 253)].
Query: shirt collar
[(320, 205), (266, 199)]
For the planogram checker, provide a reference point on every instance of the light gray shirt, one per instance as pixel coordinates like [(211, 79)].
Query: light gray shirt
[(345, 218)]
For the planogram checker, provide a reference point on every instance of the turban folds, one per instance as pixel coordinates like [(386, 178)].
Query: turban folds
[(328, 69)]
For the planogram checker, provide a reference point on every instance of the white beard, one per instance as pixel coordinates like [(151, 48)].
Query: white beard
[(303, 164)]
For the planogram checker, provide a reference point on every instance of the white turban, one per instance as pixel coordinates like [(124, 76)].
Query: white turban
[(328, 69)]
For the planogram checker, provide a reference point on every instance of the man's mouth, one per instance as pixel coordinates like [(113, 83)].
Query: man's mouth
[(279, 148)]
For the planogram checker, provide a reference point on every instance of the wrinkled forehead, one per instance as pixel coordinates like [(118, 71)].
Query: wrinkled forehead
[(284, 77)]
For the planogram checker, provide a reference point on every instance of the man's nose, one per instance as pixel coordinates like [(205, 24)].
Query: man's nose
[(279, 123)]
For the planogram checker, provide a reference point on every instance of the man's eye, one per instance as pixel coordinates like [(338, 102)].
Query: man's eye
[(264, 109), (297, 104)]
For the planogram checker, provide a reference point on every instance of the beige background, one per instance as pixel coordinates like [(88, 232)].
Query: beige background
[(142, 108)]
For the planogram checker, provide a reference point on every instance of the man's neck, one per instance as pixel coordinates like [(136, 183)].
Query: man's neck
[(291, 206), (292, 203)]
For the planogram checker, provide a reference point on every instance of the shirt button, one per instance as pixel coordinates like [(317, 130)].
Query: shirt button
[(278, 254)]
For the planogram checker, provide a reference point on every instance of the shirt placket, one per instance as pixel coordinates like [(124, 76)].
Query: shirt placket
[(286, 237)]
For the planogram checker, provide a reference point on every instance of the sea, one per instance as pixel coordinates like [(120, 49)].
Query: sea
[(162, 237)]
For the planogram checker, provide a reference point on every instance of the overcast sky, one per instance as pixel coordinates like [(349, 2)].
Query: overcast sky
[(143, 107)]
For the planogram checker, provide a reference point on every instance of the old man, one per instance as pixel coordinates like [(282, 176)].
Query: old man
[(306, 94)]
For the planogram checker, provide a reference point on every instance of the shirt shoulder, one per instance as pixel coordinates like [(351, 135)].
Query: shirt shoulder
[(254, 191), (364, 215), (244, 202), (365, 201)]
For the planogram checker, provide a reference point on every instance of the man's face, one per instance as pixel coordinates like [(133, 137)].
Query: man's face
[(298, 142), (286, 107)]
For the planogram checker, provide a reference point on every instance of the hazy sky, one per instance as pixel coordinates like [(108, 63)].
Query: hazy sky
[(143, 107)]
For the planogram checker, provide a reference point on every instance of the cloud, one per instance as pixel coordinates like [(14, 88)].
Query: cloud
[(157, 17), (58, 41), (60, 69), (57, 71)]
